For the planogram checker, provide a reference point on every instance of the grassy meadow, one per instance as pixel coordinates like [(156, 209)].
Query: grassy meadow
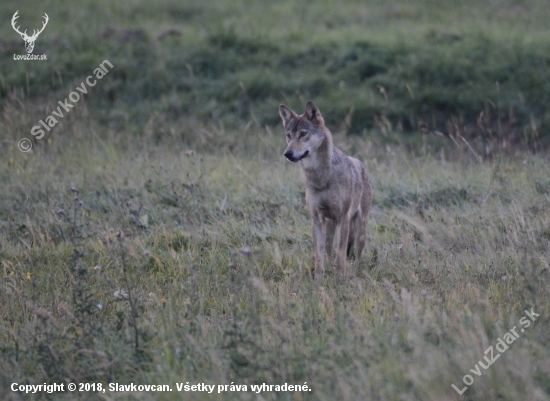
[(156, 235)]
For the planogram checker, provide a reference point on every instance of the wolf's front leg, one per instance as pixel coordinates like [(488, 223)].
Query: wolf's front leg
[(342, 245), (330, 230), (319, 245)]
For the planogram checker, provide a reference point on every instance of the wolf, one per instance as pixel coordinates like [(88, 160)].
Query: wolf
[(338, 190)]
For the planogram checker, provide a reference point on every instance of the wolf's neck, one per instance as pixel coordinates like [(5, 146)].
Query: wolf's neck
[(318, 166)]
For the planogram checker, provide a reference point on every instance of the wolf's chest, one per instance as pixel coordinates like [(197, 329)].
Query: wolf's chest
[(324, 203)]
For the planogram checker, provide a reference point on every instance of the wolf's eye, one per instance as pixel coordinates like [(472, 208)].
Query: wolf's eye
[(288, 136), (303, 133)]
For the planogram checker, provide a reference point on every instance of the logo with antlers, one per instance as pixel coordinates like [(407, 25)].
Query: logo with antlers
[(29, 40)]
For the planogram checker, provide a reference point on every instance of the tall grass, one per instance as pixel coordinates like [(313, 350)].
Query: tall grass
[(185, 266)]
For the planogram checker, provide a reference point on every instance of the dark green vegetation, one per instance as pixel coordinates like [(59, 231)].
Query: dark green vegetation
[(156, 236), (200, 63)]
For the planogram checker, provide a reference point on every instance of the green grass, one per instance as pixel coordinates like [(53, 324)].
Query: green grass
[(418, 66), (453, 260), (157, 236)]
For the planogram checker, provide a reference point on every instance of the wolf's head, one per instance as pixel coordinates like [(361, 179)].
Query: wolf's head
[(304, 133)]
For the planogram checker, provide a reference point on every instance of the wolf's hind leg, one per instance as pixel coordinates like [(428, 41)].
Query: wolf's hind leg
[(361, 225), (344, 228), (352, 235)]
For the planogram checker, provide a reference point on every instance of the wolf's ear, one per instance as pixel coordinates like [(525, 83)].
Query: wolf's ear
[(313, 114), (286, 114)]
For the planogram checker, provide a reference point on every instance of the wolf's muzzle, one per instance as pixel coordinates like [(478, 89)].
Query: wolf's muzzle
[(289, 154)]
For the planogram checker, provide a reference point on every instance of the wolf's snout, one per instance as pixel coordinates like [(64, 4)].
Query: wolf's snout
[(293, 157)]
